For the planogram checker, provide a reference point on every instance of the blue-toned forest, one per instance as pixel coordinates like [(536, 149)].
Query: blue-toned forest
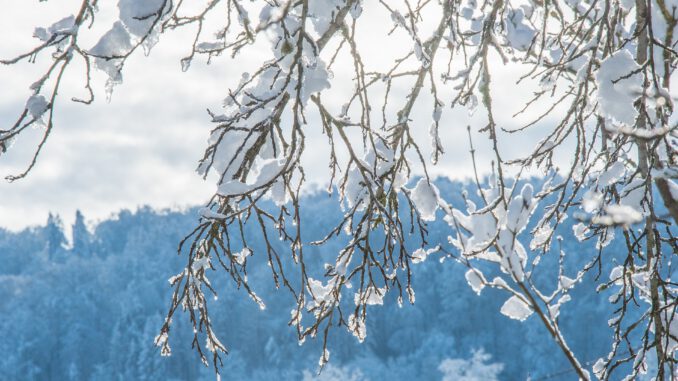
[(88, 308)]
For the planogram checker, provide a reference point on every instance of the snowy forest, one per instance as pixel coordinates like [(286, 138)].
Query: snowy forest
[(88, 307)]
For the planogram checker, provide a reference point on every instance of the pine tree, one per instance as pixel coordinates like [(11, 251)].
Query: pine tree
[(55, 237), (82, 238)]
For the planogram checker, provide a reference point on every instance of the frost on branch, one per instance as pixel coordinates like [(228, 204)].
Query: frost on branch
[(255, 152), (598, 80)]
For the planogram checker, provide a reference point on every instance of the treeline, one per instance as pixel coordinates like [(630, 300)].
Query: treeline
[(88, 308)]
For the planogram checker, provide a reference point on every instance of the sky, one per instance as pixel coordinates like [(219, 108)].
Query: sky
[(142, 147)]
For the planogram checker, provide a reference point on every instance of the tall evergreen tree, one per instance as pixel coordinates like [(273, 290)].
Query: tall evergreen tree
[(81, 236), (55, 236)]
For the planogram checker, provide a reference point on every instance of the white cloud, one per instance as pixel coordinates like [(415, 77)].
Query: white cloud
[(143, 146)]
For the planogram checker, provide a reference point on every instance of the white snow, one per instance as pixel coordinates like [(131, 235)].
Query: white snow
[(580, 231), (321, 292), (476, 280), (616, 100), (371, 296), (518, 32), (591, 201), (63, 26), (242, 255), (138, 16), (321, 11), (617, 214), (232, 187), (566, 282), (633, 194), (37, 105), (482, 228), (514, 255), (354, 190), (420, 254), (208, 46), (599, 368), (357, 327), (516, 308), (554, 309), (519, 210), (612, 174), (115, 42), (316, 78), (541, 236), (278, 193), (202, 263), (425, 198)]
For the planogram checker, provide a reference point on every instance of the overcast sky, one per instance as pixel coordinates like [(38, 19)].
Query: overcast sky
[(142, 147)]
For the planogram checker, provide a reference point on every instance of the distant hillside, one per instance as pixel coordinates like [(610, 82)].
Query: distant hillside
[(90, 310)]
